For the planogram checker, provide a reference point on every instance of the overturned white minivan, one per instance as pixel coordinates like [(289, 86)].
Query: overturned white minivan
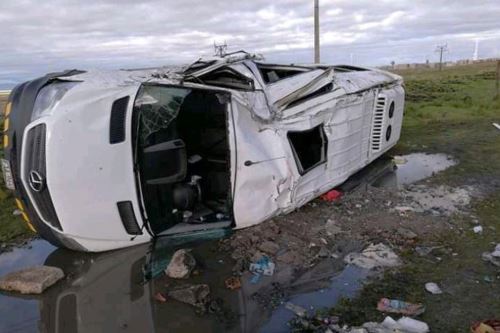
[(101, 160)]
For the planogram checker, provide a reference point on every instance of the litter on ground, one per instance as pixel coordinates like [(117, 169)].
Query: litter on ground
[(373, 256), (233, 283), (402, 307), (332, 196), (433, 288), (263, 266), (298, 310), (487, 326)]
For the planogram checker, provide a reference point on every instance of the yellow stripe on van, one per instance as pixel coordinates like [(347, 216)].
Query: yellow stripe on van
[(19, 204), (6, 124), (7, 109), (28, 222)]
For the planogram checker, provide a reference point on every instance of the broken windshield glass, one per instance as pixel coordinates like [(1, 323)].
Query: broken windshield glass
[(158, 106)]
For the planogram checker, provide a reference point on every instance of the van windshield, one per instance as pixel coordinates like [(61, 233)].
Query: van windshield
[(158, 106)]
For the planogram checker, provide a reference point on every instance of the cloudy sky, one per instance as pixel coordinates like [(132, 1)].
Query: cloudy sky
[(42, 36)]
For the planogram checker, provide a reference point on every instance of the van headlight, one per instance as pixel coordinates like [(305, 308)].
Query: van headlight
[(48, 97)]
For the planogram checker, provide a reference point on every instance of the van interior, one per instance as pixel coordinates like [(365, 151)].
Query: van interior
[(182, 158)]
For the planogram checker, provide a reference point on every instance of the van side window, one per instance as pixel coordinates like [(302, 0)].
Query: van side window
[(309, 148)]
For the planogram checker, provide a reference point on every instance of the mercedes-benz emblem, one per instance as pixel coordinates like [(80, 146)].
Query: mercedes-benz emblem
[(36, 181)]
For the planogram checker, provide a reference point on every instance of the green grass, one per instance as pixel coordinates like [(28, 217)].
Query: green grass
[(448, 112)]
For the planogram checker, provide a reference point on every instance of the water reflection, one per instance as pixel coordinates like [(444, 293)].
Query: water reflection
[(107, 292)]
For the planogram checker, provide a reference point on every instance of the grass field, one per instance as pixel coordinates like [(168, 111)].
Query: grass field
[(12, 227), (449, 112)]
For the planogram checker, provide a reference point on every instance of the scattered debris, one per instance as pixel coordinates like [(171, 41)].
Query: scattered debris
[(160, 297), (496, 252), (397, 306), (493, 257), (433, 288), (478, 229), (426, 250), (373, 256), (32, 280), (233, 283), (408, 325), (197, 295), (298, 310), (399, 160), (181, 265), (332, 228), (488, 279), (263, 266), (496, 125), (486, 326), (332, 196), (441, 200)]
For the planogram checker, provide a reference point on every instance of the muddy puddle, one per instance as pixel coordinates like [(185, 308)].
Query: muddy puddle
[(115, 291), (409, 169)]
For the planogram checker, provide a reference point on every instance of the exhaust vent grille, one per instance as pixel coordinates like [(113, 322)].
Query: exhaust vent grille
[(117, 121), (127, 215), (378, 124)]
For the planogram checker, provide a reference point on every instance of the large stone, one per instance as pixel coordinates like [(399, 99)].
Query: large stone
[(196, 295), (33, 280), (181, 265)]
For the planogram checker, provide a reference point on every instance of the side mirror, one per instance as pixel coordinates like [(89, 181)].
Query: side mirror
[(165, 163)]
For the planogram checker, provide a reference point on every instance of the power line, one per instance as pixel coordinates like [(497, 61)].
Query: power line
[(220, 49), (441, 49)]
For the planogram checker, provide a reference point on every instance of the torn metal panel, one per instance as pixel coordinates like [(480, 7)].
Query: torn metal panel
[(223, 142)]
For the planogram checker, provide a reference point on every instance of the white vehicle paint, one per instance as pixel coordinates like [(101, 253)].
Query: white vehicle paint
[(290, 134)]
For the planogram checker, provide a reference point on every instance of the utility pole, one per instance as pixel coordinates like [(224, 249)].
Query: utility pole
[(316, 32), (498, 80), (441, 49)]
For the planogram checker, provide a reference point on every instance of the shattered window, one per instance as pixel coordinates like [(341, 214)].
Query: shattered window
[(273, 73), (157, 107), (197, 66), (225, 77)]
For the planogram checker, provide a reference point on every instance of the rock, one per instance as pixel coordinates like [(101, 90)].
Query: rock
[(196, 295), (323, 252), (33, 280), (181, 265), (406, 233), (269, 247)]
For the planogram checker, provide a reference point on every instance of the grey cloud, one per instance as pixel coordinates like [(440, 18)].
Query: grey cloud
[(43, 36)]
